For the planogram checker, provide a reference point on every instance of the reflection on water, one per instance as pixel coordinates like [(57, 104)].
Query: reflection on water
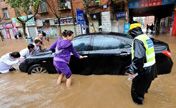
[(18, 89)]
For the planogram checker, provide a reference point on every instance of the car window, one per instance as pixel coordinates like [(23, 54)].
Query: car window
[(81, 44), (107, 43)]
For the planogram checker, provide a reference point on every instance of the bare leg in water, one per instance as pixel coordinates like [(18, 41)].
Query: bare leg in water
[(61, 76), (69, 81)]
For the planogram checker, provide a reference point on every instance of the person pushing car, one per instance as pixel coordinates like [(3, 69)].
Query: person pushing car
[(143, 66), (62, 48)]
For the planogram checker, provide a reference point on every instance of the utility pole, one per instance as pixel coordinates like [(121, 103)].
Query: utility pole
[(73, 17)]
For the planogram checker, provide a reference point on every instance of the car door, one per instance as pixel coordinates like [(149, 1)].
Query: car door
[(109, 55), (82, 46)]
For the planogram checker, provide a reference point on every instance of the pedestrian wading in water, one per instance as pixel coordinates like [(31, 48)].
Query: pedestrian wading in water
[(143, 63), (62, 48)]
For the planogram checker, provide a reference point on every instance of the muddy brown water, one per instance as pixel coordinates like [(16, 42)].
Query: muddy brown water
[(19, 90)]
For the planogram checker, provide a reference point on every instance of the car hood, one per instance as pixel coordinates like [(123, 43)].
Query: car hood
[(45, 54)]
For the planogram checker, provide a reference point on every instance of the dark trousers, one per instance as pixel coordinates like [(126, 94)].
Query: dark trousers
[(140, 86)]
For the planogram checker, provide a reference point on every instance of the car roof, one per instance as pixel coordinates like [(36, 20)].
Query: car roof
[(123, 37), (107, 33)]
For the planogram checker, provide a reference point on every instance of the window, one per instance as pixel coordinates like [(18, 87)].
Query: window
[(64, 4), (81, 44), (6, 13), (46, 22), (108, 43), (43, 7)]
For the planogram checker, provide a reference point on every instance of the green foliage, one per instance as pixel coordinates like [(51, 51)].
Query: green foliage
[(24, 5), (62, 5)]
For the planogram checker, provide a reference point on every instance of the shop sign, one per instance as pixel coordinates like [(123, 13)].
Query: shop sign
[(80, 16), (64, 21), (126, 28), (7, 26), (164, 2), (31, 22), (134, 4), (121, 15), (148, 3), (50, 31)]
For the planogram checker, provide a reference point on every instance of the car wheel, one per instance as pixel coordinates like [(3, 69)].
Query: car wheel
[(35, 69)]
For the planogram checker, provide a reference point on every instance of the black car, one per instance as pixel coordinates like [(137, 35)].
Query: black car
[(108, 53)]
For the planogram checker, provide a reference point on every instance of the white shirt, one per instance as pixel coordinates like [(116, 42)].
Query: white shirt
[(6, 62), (25, 52)]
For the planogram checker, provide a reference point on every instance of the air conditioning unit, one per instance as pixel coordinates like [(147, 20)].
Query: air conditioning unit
[(68, 4)]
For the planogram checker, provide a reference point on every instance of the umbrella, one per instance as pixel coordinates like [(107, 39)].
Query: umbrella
[(85, 26)]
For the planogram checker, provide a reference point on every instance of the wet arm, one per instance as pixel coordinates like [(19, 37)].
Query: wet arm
[(8, 62), (71, 49), (53, 46)]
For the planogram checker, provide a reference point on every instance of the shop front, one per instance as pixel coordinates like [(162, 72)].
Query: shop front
[(47, 26), (8, 30), (96, 19), (30, 26), (2, 31), (67, 24)]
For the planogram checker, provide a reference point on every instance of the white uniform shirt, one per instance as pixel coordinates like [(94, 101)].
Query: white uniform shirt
[(25, 52), (6, 62)]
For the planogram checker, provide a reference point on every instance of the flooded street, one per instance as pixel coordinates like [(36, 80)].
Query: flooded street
[(20, 90)]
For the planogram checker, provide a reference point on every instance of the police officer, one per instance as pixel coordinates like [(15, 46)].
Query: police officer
[(143, 63)]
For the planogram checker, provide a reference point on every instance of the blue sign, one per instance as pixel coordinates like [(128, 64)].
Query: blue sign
[(80, 16), (134, 4), (121, 15), (164, 2), (28, 23), (126, 28)]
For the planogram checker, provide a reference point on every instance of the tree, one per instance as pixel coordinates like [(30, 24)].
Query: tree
[(2, 17), (24, 6), (58, 16), (86, 4)]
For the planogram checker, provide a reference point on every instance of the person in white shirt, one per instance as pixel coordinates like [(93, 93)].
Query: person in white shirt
[(27, 51), (38, 46), (40, 37), (8, 60)]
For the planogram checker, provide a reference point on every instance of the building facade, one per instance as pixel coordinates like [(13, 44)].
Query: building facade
[(102, 12), (6, 15)]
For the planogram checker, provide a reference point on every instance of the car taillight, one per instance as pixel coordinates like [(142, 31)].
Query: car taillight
[(167, 53)]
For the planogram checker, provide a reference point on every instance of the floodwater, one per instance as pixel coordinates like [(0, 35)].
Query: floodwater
[(20, 90)]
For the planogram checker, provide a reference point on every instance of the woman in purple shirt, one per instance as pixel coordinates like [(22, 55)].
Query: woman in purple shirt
[(62, 48)]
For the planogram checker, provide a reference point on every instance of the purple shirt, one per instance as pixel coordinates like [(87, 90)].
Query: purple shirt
[(62, 49)]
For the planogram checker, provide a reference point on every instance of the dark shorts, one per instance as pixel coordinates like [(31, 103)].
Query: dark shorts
[(62, 67)]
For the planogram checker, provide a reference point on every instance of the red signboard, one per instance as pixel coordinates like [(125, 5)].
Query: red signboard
[(174, 26), (8, 33), (149, 3)]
